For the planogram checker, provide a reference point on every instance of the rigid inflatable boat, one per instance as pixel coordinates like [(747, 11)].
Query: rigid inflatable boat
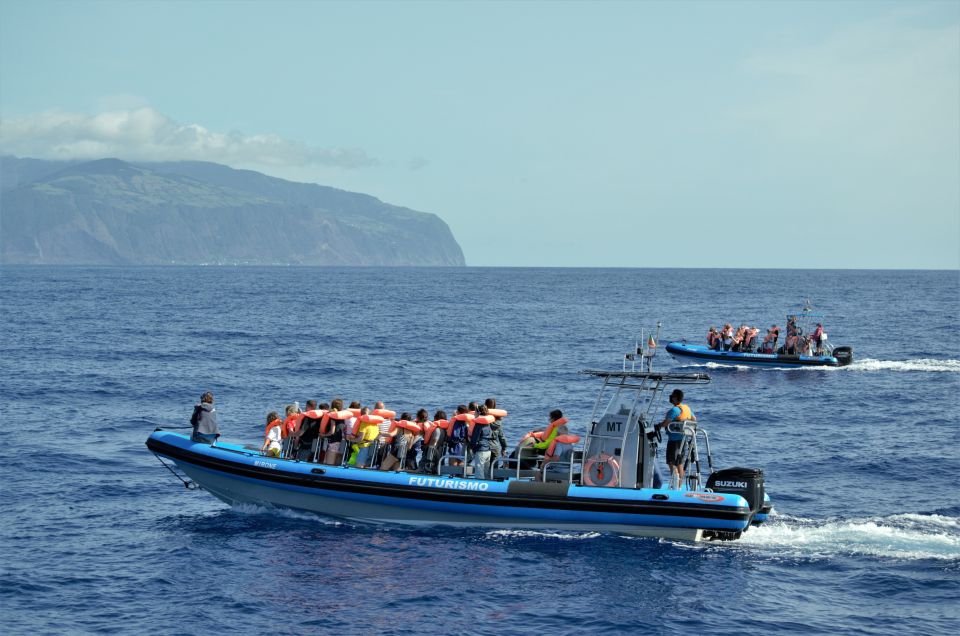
[(805, 354), (609, 483), (702, 354)]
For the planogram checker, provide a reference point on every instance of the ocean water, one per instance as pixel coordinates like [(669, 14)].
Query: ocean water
[(863, 462)]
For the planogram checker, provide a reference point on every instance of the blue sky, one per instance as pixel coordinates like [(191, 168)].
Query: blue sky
[(634, 134)]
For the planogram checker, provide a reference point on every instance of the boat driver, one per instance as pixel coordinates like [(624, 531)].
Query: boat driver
[(680, 412)]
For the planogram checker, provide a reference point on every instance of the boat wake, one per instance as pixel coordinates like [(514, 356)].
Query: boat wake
[(904, 536), (541, 534), (867, 364), (284, 513), (921, 364)]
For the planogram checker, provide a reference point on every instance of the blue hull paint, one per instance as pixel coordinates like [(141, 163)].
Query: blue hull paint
[(239, 475), (700, 353)]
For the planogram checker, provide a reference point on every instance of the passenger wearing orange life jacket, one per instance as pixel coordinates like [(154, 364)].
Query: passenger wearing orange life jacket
[(560, 450), (404, 432), (386, 437), (331, 429), (434, 442), (713, 339), (422, 422), (273, 435), (679, 413), (364, 433), (291, 426), (738, 337), (349, 426), (557, 426), (481, 442), (308, 432), (457, 435), (499, 447), (727, 337), (770, 340)]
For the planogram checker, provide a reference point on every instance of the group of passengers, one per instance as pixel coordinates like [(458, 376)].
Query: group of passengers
[(377, 438), (744, 339), (799, 344)]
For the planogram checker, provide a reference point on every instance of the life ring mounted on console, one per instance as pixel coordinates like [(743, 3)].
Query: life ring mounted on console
[(602, 470)]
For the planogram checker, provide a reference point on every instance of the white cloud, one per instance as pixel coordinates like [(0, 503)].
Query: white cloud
[(143, 134)]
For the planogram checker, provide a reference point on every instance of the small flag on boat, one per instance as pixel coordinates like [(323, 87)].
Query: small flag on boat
[(651, 343)]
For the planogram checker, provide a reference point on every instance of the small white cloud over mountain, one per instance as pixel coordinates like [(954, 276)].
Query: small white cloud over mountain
[(144, 134)]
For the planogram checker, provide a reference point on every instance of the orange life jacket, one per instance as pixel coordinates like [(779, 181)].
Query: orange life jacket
[(480, 420), (326, 425), (497, 413), (291, 424), (409, 425), (434, 426), (271, 424), (562, 439), (364, 419), (554, 424)]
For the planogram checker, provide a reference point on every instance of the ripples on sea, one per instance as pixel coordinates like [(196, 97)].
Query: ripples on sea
[(862, 462)]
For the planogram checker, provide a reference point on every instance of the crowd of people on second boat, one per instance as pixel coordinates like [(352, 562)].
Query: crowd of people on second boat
[(378, 438), (746, 339)]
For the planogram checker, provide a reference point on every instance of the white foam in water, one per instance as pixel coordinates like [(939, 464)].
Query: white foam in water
[(906, 536), (922, 364), (521, 534), (867, 364), (287, 513)]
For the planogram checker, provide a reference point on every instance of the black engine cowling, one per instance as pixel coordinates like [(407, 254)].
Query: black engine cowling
[(844, 355), (746, 482)]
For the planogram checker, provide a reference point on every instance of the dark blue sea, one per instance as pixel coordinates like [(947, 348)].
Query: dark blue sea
[(863, 462)]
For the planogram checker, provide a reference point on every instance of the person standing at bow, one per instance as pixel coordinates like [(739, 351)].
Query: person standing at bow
[(204, 421)]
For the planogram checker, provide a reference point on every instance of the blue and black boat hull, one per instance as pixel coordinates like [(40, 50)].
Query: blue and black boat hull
[(238, 475), (701, 354)]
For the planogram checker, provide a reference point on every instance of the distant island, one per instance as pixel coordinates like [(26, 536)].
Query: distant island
[(112, 212)]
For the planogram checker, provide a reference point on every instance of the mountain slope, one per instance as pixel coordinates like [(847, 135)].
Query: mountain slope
[(113, 212)]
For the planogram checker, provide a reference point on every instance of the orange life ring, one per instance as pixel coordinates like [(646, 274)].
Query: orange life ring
[(602, 470)]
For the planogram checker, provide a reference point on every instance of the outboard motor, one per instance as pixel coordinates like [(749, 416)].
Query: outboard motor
[(844, 355), (746, 482)]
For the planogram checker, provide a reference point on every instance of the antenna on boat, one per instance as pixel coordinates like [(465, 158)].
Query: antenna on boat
[(649, 349), (644, 349)]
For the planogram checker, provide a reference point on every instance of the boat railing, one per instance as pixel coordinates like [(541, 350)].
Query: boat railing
[(464, 469), (690, 455), (576, 459)]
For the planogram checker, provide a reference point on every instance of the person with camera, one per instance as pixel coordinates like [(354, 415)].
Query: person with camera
[(204, 421)]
